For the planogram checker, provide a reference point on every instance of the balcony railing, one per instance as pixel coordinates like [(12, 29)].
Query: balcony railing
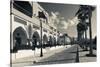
[(24, 7)]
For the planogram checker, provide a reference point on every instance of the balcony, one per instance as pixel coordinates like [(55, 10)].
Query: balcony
[(24, 7)]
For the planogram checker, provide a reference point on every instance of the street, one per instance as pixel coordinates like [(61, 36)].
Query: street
[(68, 55), (64, 55)]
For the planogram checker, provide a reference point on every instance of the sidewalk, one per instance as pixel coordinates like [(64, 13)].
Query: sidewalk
[(84, 58), (36, 58), (61, 55)]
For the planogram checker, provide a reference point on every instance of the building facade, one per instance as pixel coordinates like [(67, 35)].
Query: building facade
[(25, 28)]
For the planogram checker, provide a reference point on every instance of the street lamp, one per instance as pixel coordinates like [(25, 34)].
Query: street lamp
[(41, 53), (41, 16)]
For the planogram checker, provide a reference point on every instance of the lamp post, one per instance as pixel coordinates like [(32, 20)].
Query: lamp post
[(41, 53), (41, 16)]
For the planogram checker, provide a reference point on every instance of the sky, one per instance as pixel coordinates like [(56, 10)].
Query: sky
[(67, 12)]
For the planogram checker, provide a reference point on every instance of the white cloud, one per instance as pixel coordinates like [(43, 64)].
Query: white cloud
[(57, 13), (73, 21), (53, 15), (65, 24), (61, 23)]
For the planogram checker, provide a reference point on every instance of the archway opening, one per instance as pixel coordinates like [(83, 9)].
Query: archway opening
[(19, 39), (50, 41), (45, 41), (54, 41), (58, 40), (36, 40)]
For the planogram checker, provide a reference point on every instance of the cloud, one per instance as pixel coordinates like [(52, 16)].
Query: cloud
[(65, 24), (60, 22), (53, 15), (62, 26), (73, 22), (57, 13)]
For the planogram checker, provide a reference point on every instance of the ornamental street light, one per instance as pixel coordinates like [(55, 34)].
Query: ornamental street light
[(41, 53), (41, 16)]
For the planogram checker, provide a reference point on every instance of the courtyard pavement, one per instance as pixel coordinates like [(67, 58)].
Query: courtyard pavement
[(72, 54)]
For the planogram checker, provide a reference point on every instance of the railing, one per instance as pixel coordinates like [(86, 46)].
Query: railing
[(33, 20), (23, 9)]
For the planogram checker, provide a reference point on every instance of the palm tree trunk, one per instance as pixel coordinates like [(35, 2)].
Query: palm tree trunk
[(86, 40), (82, 39), (90, 32)]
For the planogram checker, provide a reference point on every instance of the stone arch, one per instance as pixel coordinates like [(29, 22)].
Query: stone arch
[(19, 38), (45, 40), (50, 41), (54, 41), (36, 39)]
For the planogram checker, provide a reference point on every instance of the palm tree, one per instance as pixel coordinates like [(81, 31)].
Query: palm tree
[(85, 12), (90, 29), (81, 13), (81, 27)]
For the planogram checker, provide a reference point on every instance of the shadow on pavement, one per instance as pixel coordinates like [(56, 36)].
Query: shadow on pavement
[(91, 55), (54, 61)]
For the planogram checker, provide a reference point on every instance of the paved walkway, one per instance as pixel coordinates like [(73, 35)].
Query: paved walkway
[(62, 55), (51, 56), (84, 58), (65, 56), (37, 56)]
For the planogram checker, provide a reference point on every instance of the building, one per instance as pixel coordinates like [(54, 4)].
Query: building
[(25, 28)]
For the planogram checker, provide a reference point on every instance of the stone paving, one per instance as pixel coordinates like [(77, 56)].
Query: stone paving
[(84, 58), (62, 55), (37, 56)]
